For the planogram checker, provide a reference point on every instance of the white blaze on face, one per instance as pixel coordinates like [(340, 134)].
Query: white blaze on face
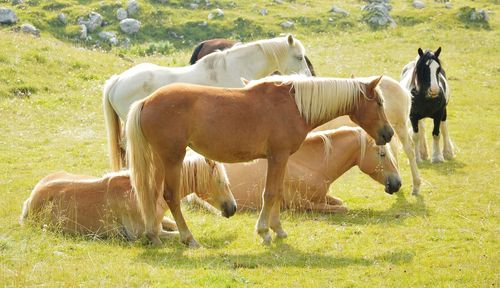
[(434, 88)]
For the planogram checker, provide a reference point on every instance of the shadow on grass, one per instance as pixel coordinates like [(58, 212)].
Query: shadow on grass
[(400, 210), (278, 255), (453, 166)]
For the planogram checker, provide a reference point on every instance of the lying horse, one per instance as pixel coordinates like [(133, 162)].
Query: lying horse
[(323, 158), (209, 46), (269, 118), (107, 206), (397, 106), (426, 79), (253, 60)]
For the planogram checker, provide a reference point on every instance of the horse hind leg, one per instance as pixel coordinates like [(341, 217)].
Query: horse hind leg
[(448, 152), (408, 147), (437, 155)]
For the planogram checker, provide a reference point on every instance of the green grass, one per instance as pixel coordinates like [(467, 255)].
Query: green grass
[(51, 119)]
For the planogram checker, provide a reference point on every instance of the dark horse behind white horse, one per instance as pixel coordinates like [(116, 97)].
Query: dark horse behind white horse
[(426, 80)]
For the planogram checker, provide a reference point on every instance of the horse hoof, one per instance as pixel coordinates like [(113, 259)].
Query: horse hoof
[(155, 242), (266, 239), (448, 155), (438, 159), (193, 244), (415, 192), (281, 234)]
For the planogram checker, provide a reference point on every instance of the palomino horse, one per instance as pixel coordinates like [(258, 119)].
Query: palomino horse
[(222, 69), (209, 46), (107, 206), (397, 103), (397, 107), (323, 158), (426, 79), (269, 118)]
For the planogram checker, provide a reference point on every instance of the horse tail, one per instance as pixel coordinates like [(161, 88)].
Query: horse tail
[(196, 53), (25, 210), (113, 125), (144, 165)]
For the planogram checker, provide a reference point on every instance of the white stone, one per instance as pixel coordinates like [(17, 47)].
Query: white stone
[(130, 26), (263, 11), (93, 22), (83, 31)]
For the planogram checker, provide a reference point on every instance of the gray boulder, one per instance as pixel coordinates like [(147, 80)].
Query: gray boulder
[(377, 15), (418, 4), (218, 13), (287, 24), (337, 10), (17, 2), (93, 22), (121, 14), (7, 16), (30, 29), (263, 12), (132, 7), (83, 32), (109, 36), (130, 26), (62, 18)]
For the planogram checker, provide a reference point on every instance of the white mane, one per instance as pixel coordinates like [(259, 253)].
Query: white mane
[(318, 98), (275, 50)]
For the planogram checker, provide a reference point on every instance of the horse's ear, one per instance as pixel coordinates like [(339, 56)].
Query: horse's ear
[(244, 81), (373, 84), (290, 39), (438, 51), (420, 52)]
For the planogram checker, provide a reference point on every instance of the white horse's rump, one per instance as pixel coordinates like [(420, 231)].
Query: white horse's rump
[(253, 60)]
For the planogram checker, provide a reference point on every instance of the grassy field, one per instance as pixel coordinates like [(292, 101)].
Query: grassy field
[(51, 120)]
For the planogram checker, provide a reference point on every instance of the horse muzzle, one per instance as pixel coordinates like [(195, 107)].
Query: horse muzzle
[(385, 135), (228, 209), (392, 184)]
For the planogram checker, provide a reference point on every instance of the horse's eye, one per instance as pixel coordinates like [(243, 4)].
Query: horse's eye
[(382, 154), (300, 58)]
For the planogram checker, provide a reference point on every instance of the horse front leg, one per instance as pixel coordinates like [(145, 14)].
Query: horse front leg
[(173, 199), (273, 194), (437, 155), (448, 152), (402, 132), (424, 152)]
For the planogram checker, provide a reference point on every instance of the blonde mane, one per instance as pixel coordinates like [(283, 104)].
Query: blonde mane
[(319, 99), (198, 175)]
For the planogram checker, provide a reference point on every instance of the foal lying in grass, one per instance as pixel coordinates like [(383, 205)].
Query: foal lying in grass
[(107, 206)]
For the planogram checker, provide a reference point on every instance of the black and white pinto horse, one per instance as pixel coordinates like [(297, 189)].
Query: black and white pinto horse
[(426, 80)]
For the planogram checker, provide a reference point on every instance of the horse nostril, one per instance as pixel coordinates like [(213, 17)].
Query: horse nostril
[(228, 209)]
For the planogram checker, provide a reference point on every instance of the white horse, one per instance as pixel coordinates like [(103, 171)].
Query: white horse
[(253, 60), (397, 107)]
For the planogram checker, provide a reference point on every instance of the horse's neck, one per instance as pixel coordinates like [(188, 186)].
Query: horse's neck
[(328, 166), (250, 62)]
